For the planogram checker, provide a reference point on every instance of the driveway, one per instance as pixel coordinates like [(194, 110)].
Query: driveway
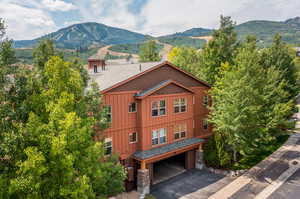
[(192, 184)]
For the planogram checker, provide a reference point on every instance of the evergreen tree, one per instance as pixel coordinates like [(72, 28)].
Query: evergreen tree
[(282, 58), (149, 52), (42, 53), (220, 49)]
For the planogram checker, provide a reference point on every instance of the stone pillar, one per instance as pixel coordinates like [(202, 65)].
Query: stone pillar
[(143, 182), (199, 158)]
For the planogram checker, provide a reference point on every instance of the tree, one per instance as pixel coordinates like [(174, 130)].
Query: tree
[(250, 104), (186, 58), (42, 53), (149, 52), (220, 49), (60, 158), (282, 58)]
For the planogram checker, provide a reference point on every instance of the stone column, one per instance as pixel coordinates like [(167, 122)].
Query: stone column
[(199, 158), (143, 182)]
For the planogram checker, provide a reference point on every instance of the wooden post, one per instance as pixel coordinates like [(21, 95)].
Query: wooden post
[(143, 165)]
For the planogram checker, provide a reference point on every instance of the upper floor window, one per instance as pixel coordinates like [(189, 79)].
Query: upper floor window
[(179, 105), (206, 100), (158, 108), (133, 137), (180, 131), (159, 136), (95, 69), (107, 146), (108, 110), (132, 107), (205, 124)]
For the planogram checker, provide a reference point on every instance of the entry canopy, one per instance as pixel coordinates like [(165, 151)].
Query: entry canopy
[(143, 155)]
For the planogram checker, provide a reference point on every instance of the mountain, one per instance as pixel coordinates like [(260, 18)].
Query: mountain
[(85, 35), (191, 33), (265, 30)]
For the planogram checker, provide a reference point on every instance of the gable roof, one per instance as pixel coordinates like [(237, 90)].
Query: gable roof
[(159, 86), (153, 68)]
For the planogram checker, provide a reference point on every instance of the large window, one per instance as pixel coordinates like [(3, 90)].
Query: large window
[(108, 110), (180, 131), (179, 105), (206, 100), (159, 136), (132, 107), (158, 108), (205, 124), (107, 146), (133, 137)]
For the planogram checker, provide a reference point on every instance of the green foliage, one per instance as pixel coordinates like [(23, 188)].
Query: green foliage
[(251, 106), (219, 50), (183, 41), (47, 125), (42, 53), (186, 58), (149, 196), (7, 54), (148, 52)]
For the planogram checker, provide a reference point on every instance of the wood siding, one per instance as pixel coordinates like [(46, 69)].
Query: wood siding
[(124, 123)]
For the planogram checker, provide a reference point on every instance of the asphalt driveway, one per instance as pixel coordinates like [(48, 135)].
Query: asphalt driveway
[(192, 184)]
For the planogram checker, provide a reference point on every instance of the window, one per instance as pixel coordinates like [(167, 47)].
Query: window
[(107, 146), (159, 136), (179, 105), (205, 124), (133, 137), (95, 69), (180, 131), (206, 101), (158, 108), (108, 113), (132, 107)]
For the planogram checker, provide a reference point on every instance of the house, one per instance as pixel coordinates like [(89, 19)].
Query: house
[(157, 112)]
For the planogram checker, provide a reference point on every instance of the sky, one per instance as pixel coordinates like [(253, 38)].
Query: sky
[(29, 19)]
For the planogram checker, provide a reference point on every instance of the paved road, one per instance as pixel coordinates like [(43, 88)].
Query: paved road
[(290, 189), (193, 184)]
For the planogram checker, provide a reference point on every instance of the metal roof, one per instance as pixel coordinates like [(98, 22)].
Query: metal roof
[(142, 155)]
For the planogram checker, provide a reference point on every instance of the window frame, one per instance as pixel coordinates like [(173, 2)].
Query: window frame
[(179, 105), (130, 106), (206, 101), (95, 68), (179, 129), (159, 108), (158, 136), (105, 146), (109, 113), (136, 138)]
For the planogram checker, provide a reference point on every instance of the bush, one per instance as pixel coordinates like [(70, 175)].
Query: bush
[(149, 196)]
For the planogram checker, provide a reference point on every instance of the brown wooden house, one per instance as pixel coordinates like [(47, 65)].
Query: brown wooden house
[(156, 111)]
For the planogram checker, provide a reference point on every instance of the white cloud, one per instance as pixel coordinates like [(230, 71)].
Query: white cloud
[(166, 16), (58, 5), (24, 22)]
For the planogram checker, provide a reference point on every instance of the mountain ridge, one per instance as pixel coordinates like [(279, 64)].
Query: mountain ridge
[(92, 33)]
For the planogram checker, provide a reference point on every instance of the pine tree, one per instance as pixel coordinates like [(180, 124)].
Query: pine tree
[(220, 49), (149, 52)]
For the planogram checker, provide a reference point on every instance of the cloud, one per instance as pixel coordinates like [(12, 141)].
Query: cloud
[(24, 22), (58, 5)]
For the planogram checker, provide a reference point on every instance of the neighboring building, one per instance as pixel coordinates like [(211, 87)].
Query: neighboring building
[(156, 111)]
